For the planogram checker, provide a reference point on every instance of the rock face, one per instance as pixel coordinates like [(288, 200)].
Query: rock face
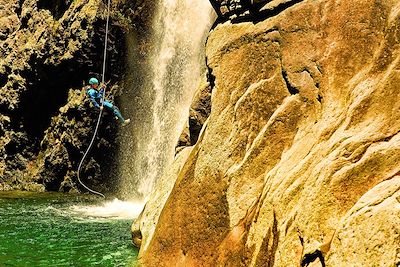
[(300, 160), (199, 112), (143, 228), (47, 49)]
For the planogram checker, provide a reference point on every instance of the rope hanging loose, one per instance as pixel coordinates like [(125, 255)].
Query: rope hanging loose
[(101, 109)]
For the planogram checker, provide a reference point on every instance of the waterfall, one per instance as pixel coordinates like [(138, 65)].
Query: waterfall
[(174, 72)]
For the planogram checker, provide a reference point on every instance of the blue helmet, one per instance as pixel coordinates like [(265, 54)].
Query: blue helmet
[(93, 81)]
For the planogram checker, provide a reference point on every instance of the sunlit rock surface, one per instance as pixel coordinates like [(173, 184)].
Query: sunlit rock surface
[(300, 160), (144, 226)]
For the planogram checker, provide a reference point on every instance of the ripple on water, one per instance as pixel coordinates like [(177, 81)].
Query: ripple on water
[(61, 230)]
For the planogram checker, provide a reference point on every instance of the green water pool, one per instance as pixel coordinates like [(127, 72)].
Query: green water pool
[(53, 230)]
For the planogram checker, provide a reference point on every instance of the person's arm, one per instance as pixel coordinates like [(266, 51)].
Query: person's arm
[(94, 102), (101, 90), (92, 98)]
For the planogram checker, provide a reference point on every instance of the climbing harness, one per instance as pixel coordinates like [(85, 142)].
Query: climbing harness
[(101, 109)]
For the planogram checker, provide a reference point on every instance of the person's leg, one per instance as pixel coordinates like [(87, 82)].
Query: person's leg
[(118, 114), (115, 110)]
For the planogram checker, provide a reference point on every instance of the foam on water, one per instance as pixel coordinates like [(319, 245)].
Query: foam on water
[(65, 230), (116, 208)]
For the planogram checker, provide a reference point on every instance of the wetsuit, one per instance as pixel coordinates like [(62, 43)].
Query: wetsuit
[(97, 98)]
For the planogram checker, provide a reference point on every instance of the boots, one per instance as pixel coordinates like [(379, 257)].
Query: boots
[(126, 122)]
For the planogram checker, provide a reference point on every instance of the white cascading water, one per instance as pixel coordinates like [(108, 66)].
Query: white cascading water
[(177, 63), (115, 209), (176, 66)]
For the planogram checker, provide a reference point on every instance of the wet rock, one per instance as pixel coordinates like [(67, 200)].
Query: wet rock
[(65, 141), (137, 238)]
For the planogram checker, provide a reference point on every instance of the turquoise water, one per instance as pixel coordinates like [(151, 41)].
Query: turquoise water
[(53, 230)]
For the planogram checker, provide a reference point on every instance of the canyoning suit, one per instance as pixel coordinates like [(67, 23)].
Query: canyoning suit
[(96, 96)]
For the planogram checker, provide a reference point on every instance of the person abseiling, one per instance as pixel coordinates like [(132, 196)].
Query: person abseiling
[(95, 93)]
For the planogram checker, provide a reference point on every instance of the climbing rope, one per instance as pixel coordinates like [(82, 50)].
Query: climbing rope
[(101, 109)]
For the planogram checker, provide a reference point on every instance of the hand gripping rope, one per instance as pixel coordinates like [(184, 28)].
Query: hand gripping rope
[(101, 109)]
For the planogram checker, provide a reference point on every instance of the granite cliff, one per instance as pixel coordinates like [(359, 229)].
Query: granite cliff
[(298, 163)]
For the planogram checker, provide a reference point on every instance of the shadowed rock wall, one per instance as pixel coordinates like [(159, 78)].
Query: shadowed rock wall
[(48, 48), (299, 160)]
